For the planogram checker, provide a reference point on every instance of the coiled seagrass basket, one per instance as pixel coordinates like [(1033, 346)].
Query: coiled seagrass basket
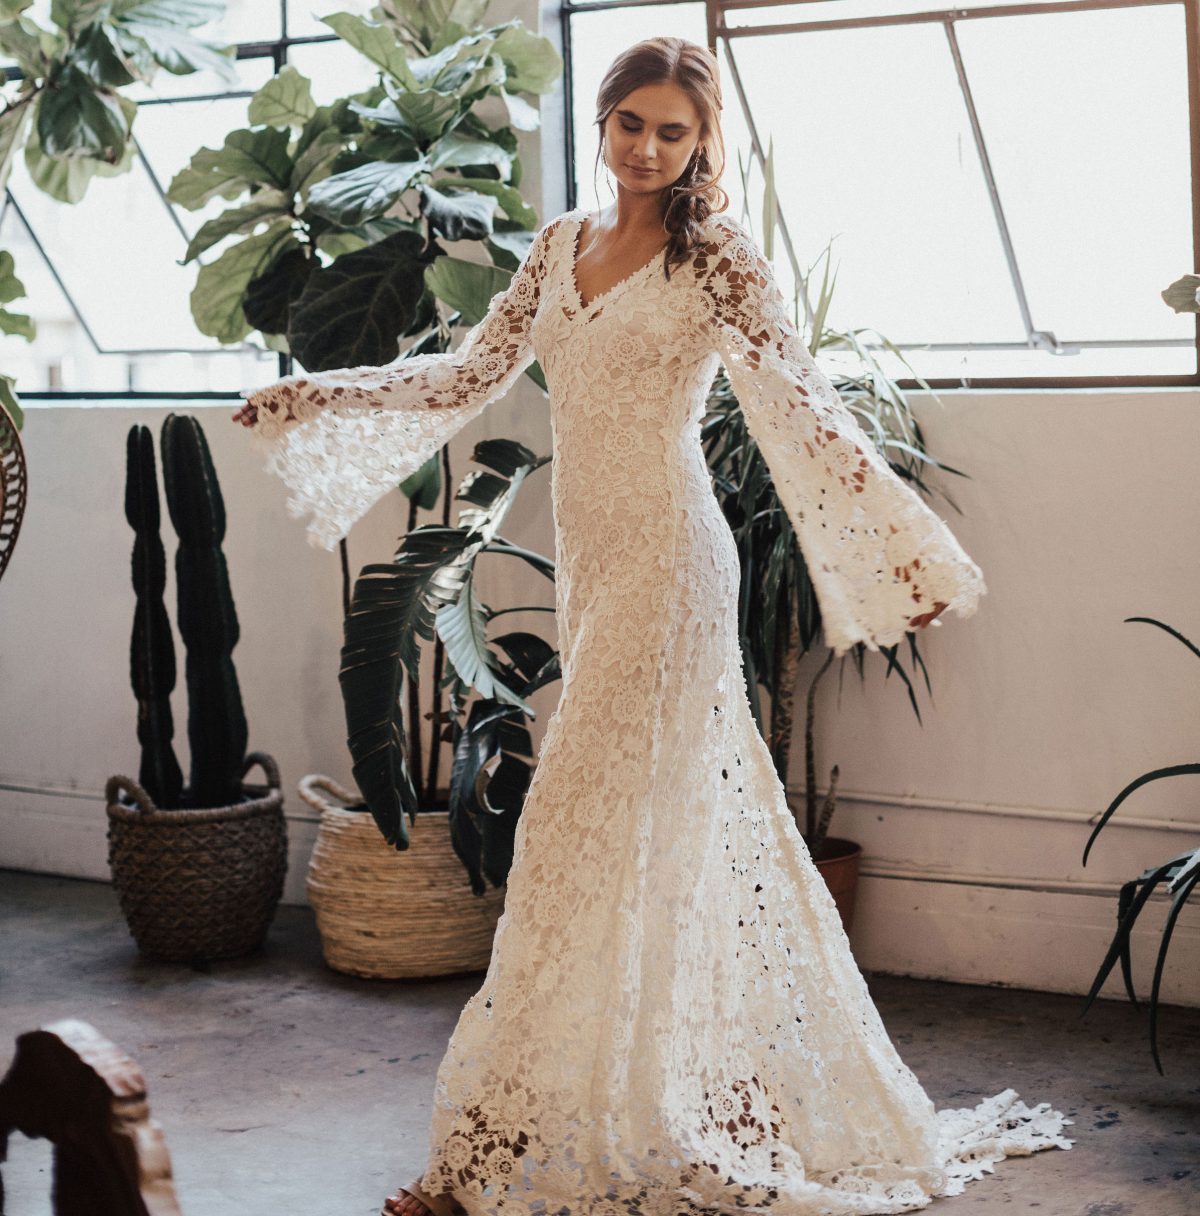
[(388, 914), (198, 884)]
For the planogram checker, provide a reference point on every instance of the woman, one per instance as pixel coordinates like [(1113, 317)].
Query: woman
[(672, 1021)]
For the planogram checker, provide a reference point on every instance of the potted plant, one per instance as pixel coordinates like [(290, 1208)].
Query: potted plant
[(779, 617), (198, 870), (369, 898), (1180, 874), (332, 248)]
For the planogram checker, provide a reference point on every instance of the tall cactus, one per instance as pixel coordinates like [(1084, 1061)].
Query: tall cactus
[(152, 648), (207, 620)]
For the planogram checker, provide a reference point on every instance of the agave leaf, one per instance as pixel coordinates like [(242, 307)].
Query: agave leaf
[(1172, 770), (1146, 883), (1189, 863)]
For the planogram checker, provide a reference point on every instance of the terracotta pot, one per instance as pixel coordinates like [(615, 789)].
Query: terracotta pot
[(838, 866)]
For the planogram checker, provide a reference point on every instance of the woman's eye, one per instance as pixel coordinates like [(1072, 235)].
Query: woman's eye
[(671, 139)]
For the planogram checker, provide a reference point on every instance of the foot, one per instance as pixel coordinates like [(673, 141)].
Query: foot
[(402, 1203)]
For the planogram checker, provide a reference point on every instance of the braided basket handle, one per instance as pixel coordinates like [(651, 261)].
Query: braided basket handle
[(312, 782), (119, 782), (268, 766)]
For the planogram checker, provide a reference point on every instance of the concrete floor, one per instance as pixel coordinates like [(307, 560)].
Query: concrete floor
[(286, 1088)]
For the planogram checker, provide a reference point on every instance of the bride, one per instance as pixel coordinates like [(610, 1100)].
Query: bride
[(672, 1021)]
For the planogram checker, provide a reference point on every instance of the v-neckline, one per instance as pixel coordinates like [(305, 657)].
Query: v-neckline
[(573, 259)]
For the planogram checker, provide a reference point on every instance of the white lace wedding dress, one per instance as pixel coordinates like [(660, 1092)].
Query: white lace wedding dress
[(672, 1021)]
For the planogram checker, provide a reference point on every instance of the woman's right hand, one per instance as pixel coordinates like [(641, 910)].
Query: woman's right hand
[(267, 398)]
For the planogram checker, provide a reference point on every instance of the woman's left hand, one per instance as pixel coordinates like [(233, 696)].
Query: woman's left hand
[(918, 622)]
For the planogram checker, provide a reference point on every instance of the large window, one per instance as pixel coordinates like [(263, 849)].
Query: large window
[(103, 280), (1006, 190)]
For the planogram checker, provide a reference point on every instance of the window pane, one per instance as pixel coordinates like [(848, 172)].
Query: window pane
[(304, 15), (335, 68), (848, 10), (244, 21), (874, 150)]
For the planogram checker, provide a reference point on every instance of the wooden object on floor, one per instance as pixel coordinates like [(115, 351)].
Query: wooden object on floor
[(68, 1084)]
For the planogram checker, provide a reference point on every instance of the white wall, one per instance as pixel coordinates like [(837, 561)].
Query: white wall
[(1044, 706)]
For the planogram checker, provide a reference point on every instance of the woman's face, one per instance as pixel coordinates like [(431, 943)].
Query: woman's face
[(656, 127)]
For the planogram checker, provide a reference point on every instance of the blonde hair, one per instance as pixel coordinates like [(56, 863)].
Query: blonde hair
[(696, 193)]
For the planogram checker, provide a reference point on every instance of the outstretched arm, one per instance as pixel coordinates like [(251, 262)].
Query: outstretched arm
[(881, 561), (341, 439)]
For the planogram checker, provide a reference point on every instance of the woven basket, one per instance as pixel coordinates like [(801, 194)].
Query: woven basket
[(388, 914), (198, 884)]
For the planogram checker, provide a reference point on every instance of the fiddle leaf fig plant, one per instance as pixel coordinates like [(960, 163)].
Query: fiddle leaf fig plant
[(62, 103), (340, 208)]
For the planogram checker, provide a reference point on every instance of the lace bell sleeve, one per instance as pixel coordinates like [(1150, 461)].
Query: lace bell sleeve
[(877, 554), (354, 433)]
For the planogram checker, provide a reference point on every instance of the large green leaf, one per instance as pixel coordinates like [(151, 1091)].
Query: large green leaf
[(462, 68), (267, 205), (157, 31), (462, 626), (30, 45), (363, 193), (99, 59), (285, 101), (12, 127), (521, 114), (377, 42), (463, 216), (392, 606), (67, 179), (11, 288), (509, 249), (514, 206), (217, 297), (466, 286), (247, 158), (315, 163), (355, 311), (456, 148), (74, 15), (269, 297), (75, 119), (9, 399), (424, 487), (420, 117), (534, 66)]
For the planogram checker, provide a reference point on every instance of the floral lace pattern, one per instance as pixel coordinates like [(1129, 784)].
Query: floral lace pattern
[(672, 1021)]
